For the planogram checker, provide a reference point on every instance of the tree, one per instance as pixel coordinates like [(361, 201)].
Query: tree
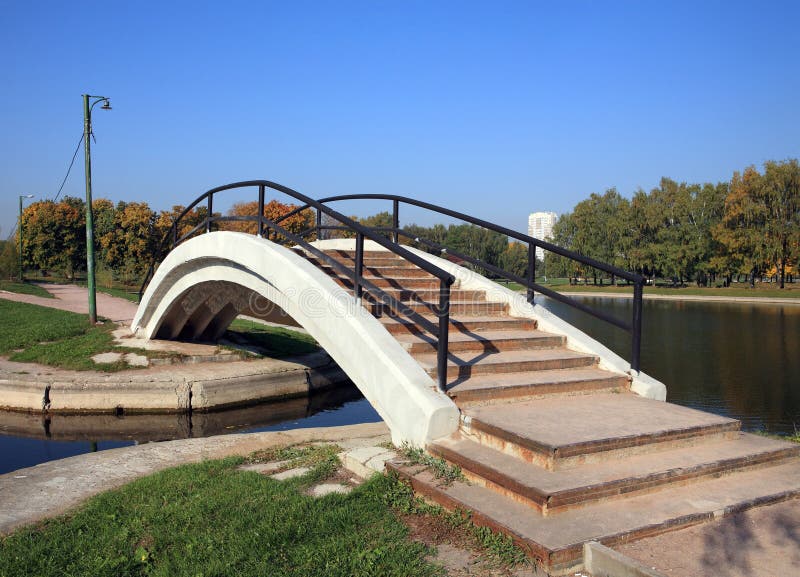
[(596, 228), (780, 193), (55, 236), (9, 259), (514, 259), (127, 246), (273, 210), (741, 230)]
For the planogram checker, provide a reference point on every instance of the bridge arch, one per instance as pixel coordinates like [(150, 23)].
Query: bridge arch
[(205, 282)]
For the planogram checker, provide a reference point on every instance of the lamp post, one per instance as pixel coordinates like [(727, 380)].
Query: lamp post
[(19, 232), (89, 102)]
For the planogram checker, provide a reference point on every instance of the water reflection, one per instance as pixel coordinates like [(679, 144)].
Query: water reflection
[(738, 360), (28, 439)]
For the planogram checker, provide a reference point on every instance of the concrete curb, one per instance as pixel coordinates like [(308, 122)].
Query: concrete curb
[(49, 489), (601, 561), (198, 387)]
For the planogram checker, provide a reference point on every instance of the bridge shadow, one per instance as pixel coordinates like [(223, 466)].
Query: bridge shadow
[(754, 542)]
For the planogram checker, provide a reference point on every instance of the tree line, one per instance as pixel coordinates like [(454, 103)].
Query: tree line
[(749, 226), (127, 235)]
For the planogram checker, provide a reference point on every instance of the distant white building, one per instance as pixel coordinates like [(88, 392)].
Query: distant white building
[(540, 225)]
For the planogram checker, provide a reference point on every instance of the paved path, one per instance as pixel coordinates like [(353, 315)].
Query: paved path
[(760, 542), (29, 495), (73, 298)]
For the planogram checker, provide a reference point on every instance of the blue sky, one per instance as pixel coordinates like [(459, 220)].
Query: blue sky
[(493, 108)]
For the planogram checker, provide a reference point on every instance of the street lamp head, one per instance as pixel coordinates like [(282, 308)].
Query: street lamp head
[(28, 196), (106, 105)]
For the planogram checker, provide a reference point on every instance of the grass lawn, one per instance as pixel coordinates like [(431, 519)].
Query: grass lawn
[(273, 341), (211, 519), (34, 334), (24, 288)]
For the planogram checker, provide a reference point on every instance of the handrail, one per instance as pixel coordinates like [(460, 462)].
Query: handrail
[(634, 327), (359, 283)]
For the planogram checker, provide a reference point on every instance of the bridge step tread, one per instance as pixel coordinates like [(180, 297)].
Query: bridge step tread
[(556, 491), (430, 295), (499, 388), (384, 272), (487, 341), (599, 423), (396, 283), (478, 323), (465, 308), (467, 363), (557, 540)]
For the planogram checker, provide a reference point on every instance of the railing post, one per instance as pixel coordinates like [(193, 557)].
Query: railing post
[(260, 210), (444, 327), (636, 326), (531, 270), (210, 212), (319, 224), (174, 234), (359, 264), (395, 219)]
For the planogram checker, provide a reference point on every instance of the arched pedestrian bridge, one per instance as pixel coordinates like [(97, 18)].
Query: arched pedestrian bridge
[(563, 441), (414, 331)]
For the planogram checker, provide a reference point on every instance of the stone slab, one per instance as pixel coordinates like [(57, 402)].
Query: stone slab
[(570, 430)]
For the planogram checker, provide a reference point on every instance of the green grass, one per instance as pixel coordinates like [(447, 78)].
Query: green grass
[(210, 519), (24, 288), (23, 325), (499, 549), (57, 338), (127, 294), (273, 341)]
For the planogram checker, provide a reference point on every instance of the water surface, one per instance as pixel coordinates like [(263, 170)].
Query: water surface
[(740, 360)]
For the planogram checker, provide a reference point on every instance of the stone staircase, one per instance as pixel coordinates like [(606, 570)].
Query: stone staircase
[(556, 452)]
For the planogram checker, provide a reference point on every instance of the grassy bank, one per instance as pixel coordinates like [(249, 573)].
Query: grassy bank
[(212, 519), (34, 334), (737, 290), (24, 288), (273, 342)]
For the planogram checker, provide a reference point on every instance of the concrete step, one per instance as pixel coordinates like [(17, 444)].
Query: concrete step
[(486, 341), (557, 540), (368, 261), (462, 308), (351, 254), (431, 295), (552, 492), (471, 363), (504, 388), (400, 283), (565, 432), (390, 272), (475, 324)]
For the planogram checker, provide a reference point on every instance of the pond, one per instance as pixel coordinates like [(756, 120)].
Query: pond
[(740, 360), (28, 439), (737, 360)]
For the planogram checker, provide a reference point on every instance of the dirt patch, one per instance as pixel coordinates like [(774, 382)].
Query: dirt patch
[(457, 551)]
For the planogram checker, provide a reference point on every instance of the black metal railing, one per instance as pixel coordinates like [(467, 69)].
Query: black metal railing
[(266, 227), (634, 327)]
